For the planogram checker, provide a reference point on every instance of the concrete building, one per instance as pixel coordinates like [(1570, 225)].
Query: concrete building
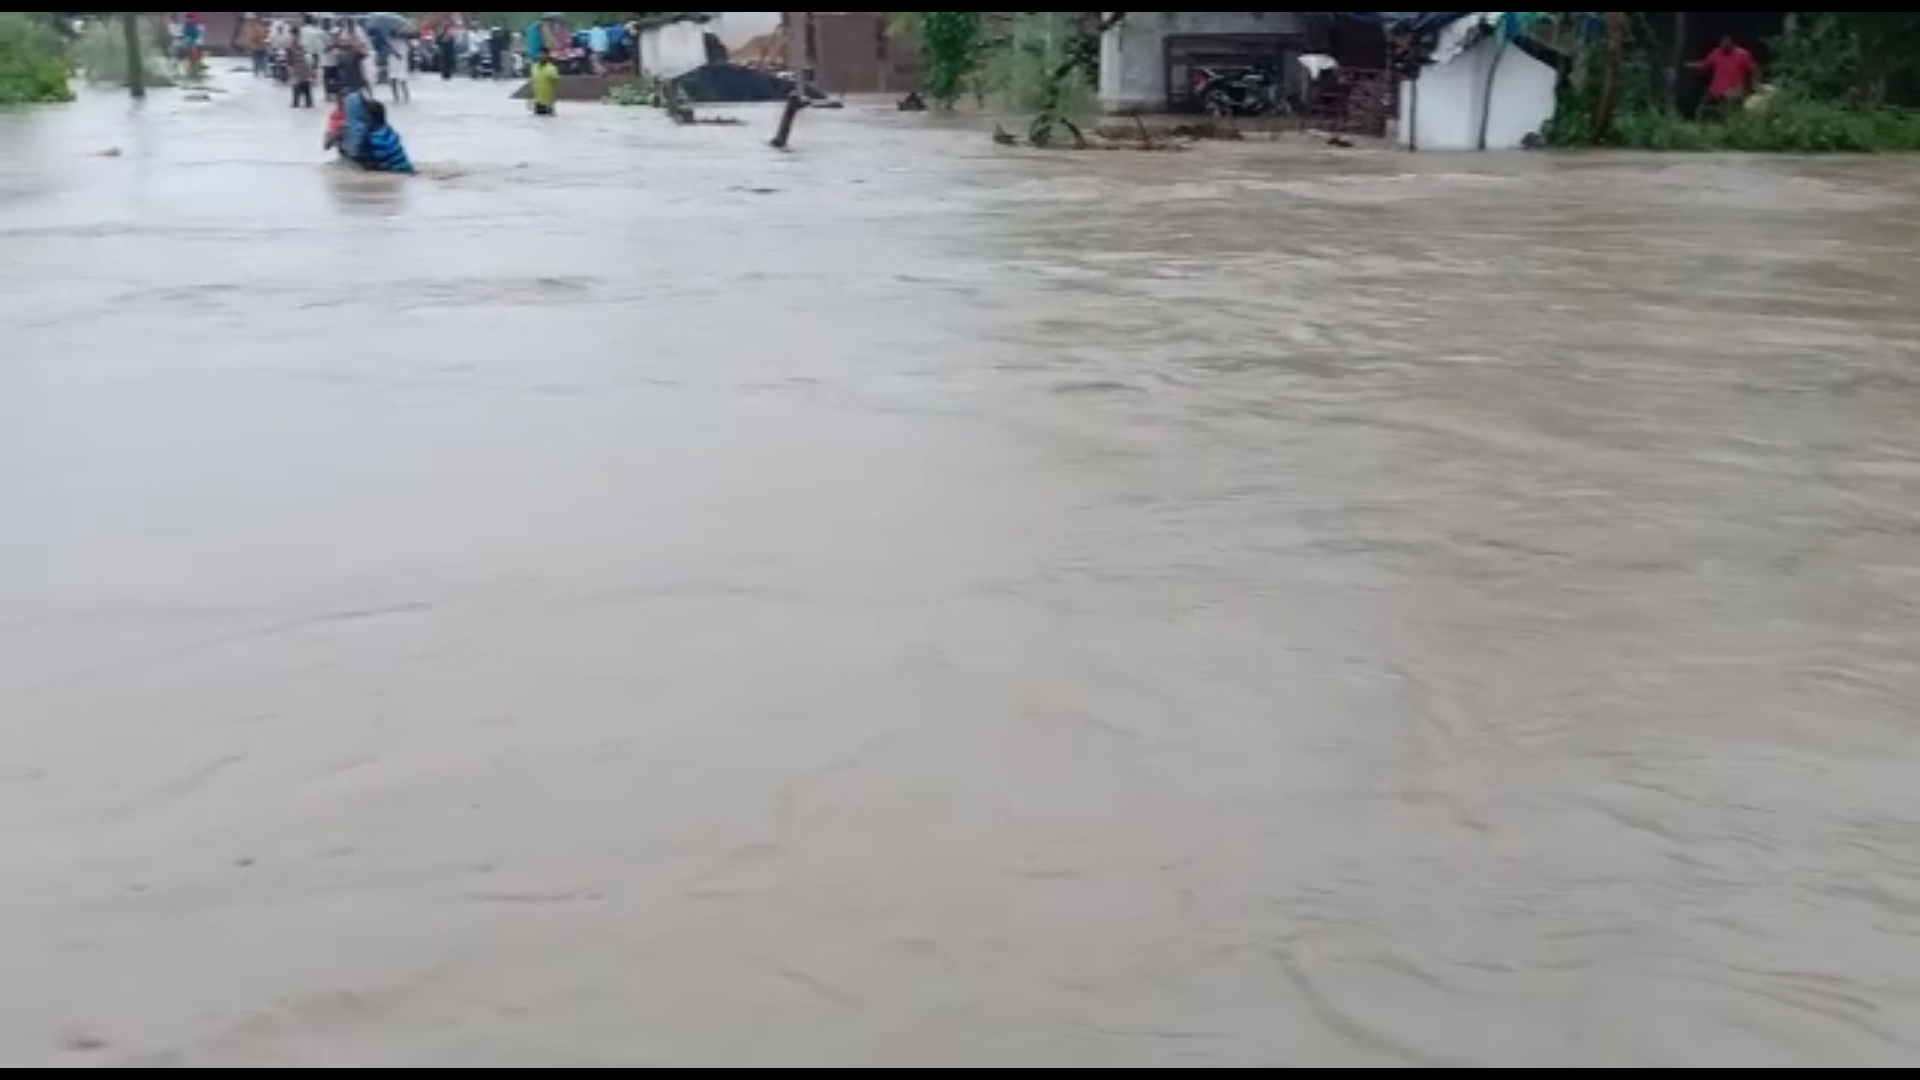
[(1146, 61)]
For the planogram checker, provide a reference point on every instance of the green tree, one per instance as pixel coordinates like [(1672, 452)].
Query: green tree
[(1866, 56), (952, 46), (33, 62)]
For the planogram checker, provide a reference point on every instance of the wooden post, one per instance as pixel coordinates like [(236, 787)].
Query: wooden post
[(809, 57), (1677, 60), (136, 56), (795, 102)]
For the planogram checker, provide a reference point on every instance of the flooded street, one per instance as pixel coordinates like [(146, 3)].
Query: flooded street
[(633, 598)]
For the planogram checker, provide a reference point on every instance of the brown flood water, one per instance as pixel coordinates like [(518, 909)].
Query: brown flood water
[(636, 599)]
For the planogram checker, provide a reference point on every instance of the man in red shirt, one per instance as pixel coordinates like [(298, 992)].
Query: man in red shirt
[(1732, 73)]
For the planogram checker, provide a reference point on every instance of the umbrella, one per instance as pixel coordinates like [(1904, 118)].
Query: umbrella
[(391, 23)]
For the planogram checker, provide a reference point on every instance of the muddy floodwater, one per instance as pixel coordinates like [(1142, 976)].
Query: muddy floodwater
[(633, 598)]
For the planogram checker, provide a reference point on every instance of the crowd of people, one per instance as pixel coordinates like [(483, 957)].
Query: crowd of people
[(344, 61), (455, 46)]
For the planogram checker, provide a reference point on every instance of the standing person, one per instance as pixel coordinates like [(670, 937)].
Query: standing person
[(479, 42), (546, 85), (449, 53), (397, 77), (598, 42), (380, 44), (330, 66), (300, 77), (193, 36), (257, 44), (1732, 74), (353, 64), (497, 40), (312, 40)]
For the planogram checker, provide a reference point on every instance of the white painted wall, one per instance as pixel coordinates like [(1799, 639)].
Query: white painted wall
[(672, 50), (1441, 110)]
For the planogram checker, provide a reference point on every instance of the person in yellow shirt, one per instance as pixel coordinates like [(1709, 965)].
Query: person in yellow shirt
[(546, 84)]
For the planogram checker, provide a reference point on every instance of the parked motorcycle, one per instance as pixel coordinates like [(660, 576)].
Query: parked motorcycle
[(1238, 91)]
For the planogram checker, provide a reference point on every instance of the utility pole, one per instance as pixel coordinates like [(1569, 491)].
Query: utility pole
[(136, 56)]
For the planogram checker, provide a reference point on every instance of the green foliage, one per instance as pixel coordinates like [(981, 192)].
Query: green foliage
[(952, 47), (1818, 60), (1865, 56), (641, 93), (1023, 75), (1783, 124), (33, 62), (101, 55), (648, 93), (1828, 78)]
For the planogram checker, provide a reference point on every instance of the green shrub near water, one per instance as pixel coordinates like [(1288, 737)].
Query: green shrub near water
[(1785, 124), (1020, 74), (101, 55), (33, 62)]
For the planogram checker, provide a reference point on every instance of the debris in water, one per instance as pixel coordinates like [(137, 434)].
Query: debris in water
[(83, 1041)]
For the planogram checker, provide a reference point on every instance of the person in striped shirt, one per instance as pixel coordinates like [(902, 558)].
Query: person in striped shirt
[(380, 148)]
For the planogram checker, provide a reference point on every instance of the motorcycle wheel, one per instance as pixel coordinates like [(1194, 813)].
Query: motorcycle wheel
[(1218, 103)]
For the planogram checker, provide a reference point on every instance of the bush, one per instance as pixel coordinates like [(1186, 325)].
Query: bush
[(33, 63), (101, 54), (1021, 75), (1783, 125), (644, 94)]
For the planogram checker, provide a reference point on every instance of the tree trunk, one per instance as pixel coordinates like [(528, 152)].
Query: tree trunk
[(1676, 60), (1610, 88), (136, 56)]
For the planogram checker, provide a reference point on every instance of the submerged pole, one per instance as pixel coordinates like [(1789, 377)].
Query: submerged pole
[(136, 58), (809, 56)]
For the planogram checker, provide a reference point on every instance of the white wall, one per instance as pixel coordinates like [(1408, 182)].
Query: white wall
[(672, 50), (1441, 110)]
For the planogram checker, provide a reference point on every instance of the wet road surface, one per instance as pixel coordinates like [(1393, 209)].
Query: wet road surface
[(636, 599)]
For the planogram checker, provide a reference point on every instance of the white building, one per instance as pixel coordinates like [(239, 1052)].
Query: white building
[(1481, 91), (673, 48)]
